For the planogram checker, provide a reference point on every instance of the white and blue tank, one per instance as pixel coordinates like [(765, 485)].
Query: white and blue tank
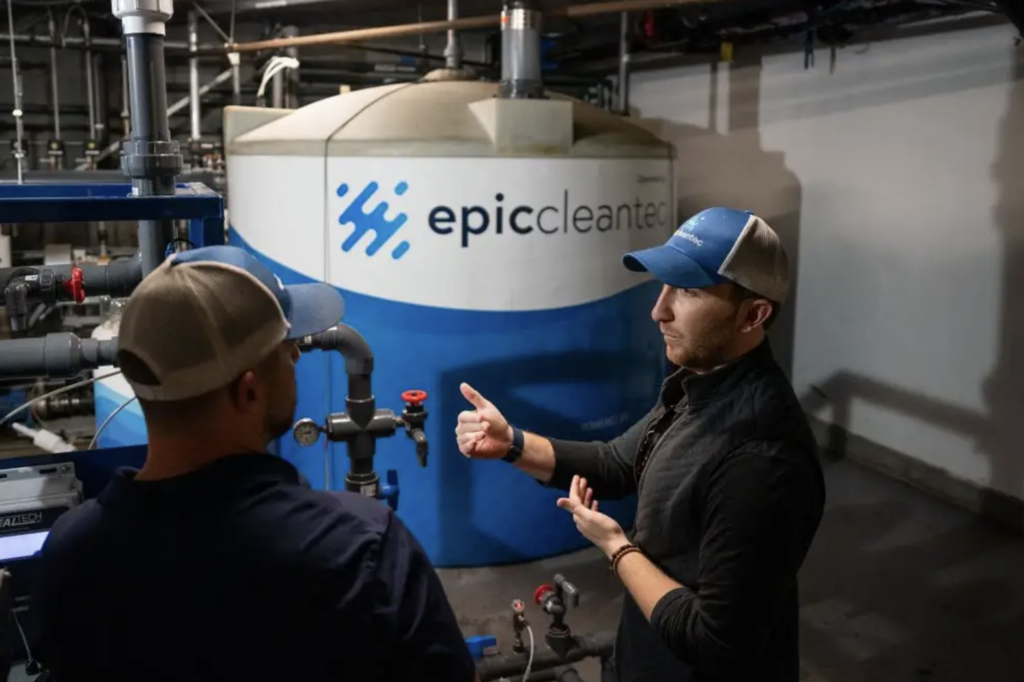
[(474, 239)]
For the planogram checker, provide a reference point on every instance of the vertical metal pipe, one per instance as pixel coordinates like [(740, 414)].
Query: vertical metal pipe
[(126, 128), (90, 83), (195, 111), (236, 78), (453, 50), (53, 78), (623, 81), (291, 76), (277, 90), (520, 51), (19, 126)]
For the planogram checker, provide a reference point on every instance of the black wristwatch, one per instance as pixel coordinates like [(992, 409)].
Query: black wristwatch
[(515, 451)]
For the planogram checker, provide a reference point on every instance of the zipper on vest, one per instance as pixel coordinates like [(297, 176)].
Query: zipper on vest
[(676, 418)]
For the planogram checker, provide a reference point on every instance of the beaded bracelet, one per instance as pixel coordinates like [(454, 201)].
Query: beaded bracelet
[(619, 553)]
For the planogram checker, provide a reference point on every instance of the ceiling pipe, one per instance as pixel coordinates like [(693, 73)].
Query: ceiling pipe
[(453, 50), (520, 51), (468, 23)]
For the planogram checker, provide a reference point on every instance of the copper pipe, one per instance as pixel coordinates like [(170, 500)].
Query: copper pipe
[(468, 23)]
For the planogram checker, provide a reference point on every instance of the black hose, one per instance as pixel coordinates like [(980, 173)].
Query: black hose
[(597, 645)]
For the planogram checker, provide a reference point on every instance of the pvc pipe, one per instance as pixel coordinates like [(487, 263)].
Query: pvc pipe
[(117, 279), (43, 439), (90, 84), (53, 78), (520, 51), (622, 103), (453, 50), (195, 112), (55, 355), (145, 156)]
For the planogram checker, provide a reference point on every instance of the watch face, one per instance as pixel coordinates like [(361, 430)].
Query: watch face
[(306, 432)]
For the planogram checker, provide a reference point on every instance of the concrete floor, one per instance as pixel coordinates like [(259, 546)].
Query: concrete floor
[(899, 587)]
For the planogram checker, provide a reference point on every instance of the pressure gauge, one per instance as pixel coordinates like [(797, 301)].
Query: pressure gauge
[(306, 431)]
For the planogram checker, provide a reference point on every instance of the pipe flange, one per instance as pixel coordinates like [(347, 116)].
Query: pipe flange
[(141, 160)]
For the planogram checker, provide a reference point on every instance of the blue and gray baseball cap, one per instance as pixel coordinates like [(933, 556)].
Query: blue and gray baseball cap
[(715, 246), (207, 315)]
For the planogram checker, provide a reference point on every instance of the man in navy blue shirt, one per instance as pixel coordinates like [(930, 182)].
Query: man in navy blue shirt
[(214, 561)]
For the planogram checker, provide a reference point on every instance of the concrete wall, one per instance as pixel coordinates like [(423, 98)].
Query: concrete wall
[(897, 183)]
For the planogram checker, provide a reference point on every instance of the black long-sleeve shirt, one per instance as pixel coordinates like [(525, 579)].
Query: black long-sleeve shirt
[(731, 494)]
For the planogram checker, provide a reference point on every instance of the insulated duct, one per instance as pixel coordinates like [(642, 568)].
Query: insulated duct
[(520, 51)]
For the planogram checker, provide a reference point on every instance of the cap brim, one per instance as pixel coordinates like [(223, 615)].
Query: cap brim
[(315, 308), (670, 266)]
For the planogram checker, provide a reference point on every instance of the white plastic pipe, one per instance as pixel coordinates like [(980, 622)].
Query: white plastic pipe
[(43, 439)]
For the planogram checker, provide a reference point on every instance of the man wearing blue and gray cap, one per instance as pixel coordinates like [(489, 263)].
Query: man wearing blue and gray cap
[(725, 466), (214, 561)]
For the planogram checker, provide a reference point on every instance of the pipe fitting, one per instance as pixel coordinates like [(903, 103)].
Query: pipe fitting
[(520, 51), (143, 16)]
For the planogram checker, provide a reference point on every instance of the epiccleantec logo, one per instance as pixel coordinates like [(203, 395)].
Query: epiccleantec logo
[(375, 221), (499, 216)]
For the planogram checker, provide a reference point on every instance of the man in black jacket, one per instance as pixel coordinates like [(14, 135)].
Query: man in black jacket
[(725, 466)]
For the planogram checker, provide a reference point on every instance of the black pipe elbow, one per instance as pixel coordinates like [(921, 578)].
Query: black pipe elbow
[(347, 341)]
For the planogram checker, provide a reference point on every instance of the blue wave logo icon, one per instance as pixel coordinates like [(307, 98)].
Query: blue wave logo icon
[(364, 222)]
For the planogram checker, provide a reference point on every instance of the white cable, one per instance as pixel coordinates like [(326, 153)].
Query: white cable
[(529, 664), (275, 65), (106, 421), (65, 389)]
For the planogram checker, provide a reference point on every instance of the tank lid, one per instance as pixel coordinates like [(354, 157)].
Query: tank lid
[(447, 118)]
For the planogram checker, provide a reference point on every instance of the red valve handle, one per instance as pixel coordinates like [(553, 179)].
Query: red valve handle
[(542, 592), (414, 397), (75, 285)]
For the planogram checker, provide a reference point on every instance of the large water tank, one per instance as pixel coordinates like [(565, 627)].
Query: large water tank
[(474, 239)]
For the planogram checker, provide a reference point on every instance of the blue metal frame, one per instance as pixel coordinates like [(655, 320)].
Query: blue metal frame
[(81, 202), (94, 202)]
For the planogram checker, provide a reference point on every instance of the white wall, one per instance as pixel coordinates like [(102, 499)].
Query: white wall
[(898, 184)]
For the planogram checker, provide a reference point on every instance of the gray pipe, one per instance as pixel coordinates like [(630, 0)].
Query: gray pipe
[(623, 81), (150, 158), (195, 112), (97, 41), (90, 84), (116, 279), (55, 356), (277, 90), (597, 645), (53, 78), (19, 125), (453, 50), (520, 51), (126, 128), (292, 84), (355, 349)]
